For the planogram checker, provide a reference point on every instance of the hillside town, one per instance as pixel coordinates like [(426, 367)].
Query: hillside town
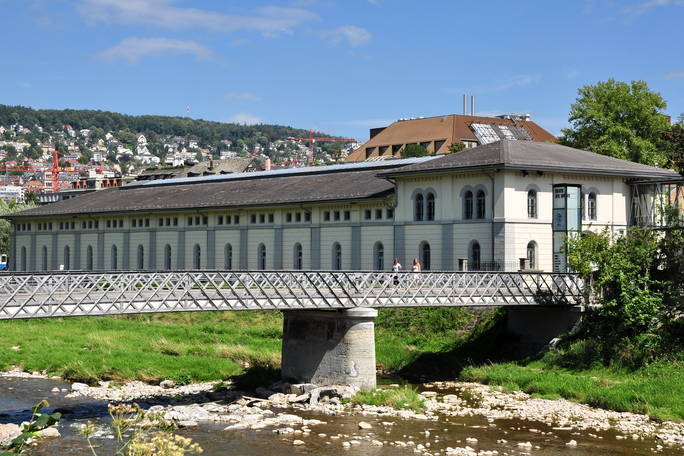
[(35, 160)]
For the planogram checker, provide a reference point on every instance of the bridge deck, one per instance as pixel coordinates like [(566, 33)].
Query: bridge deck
[(65, 294)]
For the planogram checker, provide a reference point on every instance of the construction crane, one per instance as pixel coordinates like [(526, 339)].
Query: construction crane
[(312, 140), (54, 170)]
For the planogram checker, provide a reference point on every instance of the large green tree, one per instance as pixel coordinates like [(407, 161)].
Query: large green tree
[(675, 138), (619, 119)]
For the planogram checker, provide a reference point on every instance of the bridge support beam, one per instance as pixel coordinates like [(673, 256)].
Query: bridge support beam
[(330, 347), (536, 326)]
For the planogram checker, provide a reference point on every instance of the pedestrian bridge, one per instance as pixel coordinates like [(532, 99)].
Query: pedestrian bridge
[(66, 294)]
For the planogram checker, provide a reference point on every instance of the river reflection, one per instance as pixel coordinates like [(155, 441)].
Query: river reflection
[(18, 395)]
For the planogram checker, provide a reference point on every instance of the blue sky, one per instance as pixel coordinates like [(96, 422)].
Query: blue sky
[(339, 66)]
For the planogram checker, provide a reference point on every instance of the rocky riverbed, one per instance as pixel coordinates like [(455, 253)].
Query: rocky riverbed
[(459, 419)]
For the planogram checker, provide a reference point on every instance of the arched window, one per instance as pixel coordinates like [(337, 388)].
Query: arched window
[(23, 259), (480, 204), (419, 209), (89, 258), (67, 258), (468, 205), (424, 255), (591, 206), (474, 256), (115, 259), (336, 256), (46, 265), (379, 256), (261, 256), (167, 257), (298, 257), (228, 257), (430, 203), (532, 204), (196, 257), (532, 254), (141, 257)]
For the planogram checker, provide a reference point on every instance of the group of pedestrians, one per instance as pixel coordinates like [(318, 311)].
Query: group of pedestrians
[(397, 267)]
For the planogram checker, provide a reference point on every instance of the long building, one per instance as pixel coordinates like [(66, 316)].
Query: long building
[(505, 205)]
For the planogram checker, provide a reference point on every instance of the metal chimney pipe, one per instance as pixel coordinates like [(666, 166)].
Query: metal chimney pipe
[(472, 105), (465, 104)]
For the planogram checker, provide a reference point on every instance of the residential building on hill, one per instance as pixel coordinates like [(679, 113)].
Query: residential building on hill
[(506, 205), (437, 133)]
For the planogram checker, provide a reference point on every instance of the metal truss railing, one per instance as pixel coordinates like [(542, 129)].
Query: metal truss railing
[(40, 295)]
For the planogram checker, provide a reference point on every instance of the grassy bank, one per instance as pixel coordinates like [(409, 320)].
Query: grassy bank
[(656, 390), (201, 346)]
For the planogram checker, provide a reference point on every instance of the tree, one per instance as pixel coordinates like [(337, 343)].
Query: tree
[(675, 138), (456, 146), (414, 150), (5, 209), (619, 120)]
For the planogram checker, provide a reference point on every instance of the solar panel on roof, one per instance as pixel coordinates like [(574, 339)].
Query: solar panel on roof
[(287, 171), (489, 133), (485, 133)]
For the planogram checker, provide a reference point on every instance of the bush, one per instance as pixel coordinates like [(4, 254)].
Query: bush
[(405, 398)]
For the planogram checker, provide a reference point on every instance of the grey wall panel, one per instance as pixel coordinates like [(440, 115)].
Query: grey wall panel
[(99, 261), (316, 247), (356, 247), (152, 262), (447, 247), (33, 253), (181, 250), (55, 259), (126, 250), (211, 249), (77, 252), (400, 244), (244, 233), (278, 248)]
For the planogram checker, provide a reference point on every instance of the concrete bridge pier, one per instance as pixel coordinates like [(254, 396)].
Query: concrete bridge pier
[(537, 326), (330, 347)]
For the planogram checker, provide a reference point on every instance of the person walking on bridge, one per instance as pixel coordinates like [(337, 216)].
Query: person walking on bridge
[(415, 267)]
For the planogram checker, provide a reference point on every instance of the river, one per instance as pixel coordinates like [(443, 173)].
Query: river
[(17, 395)]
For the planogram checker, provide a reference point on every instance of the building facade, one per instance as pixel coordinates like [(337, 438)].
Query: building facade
[(485, 208)]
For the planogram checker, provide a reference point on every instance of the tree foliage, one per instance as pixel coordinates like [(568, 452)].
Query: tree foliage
[(637, 282), (8, 208), (456, 147), (619, 119), (414, 150), (675, 138)]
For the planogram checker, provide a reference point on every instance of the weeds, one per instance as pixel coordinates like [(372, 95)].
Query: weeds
[(405, 398)]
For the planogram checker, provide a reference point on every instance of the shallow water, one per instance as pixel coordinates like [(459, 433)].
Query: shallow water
[(17, 395)]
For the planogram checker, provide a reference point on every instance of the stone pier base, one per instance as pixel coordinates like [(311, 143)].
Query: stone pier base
[(330, 347), (536, 326)]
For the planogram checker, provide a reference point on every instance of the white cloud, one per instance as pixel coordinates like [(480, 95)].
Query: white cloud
[(242, 96), (350, 34), (641, 8), (245, 118), (132, 50), (270, 20), (674, 75)]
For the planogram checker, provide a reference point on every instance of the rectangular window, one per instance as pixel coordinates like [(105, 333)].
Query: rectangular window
[(83, 225), (147, 222), (90, 224), (271, 218), (378, 214), (236, 219), (219, 221), (326, 216), (288, 217), (367, 214), (228, 221), (161, 222), (121, 223), (175, 221), (189, 221), (205, 220), (337, 215), (307, 216), (298, 217), (168, 221), (262, 218), (197, 220), (347, 215), (61, 226), (50, 224), (97, 224), (383, 150), (390, 213), (252, 218)]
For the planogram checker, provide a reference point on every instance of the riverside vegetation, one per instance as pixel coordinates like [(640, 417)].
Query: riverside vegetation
[(627, 356)]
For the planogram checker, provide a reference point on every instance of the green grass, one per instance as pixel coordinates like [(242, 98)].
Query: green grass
[(196, 346), (404, 397), (656, 390), (201, 346)]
